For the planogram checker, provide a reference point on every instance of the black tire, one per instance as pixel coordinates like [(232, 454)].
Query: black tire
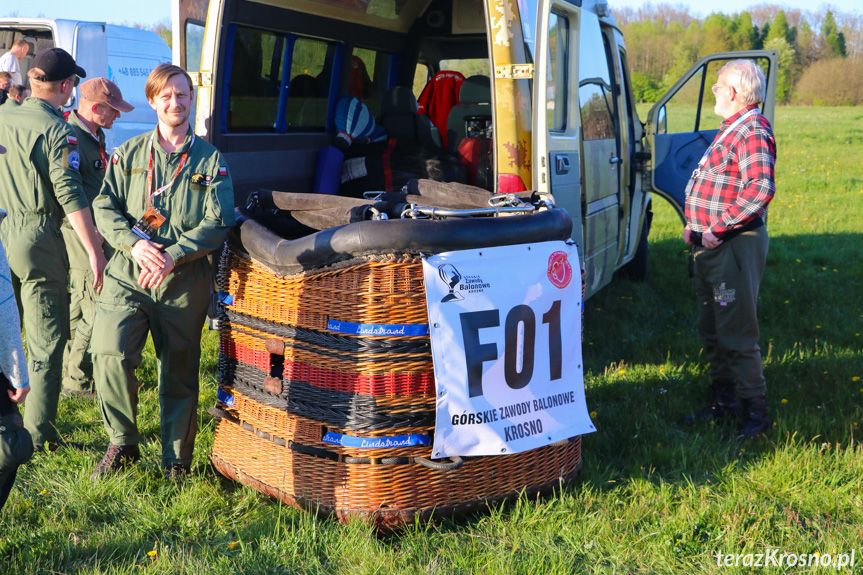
[(637, 268)]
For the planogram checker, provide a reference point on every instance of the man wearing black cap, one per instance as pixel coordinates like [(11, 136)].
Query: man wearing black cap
[(39, 186), (101, 104)]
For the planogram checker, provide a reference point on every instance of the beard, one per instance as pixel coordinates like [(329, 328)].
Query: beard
[(175, 117)]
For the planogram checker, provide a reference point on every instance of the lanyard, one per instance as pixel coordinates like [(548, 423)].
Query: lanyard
[(183, 158), (98, 143), (727, 131)]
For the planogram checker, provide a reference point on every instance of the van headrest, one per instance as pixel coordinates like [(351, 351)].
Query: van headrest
[(399, 100), (475, 90)]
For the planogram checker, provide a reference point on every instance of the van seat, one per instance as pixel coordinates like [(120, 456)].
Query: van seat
[(399, 118), (474, 103), (438, 98)]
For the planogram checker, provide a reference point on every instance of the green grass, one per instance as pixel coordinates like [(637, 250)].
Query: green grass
[(653, 497)]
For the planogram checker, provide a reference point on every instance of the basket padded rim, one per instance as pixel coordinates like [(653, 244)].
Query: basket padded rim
[(397, 236)]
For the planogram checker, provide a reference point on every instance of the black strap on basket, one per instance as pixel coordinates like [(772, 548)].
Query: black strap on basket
[(453, 464)]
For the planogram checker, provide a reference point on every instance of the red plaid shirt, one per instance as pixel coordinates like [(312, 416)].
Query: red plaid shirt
[(734, 181)]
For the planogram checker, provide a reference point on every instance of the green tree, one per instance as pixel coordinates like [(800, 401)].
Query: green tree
[(745, 33), (833, 39), (786, 67), (779, 29)]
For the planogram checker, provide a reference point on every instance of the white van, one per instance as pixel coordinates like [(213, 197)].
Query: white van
[(123, 55), (546, 91)]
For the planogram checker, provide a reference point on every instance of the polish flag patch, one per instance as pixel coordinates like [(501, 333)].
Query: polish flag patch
[(72, 140), (115, 158), (223, 171)]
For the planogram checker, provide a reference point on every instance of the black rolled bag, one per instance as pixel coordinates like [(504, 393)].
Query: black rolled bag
[(373, 237)]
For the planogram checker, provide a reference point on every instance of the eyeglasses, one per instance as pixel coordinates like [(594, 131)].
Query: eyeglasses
[(717, 86)]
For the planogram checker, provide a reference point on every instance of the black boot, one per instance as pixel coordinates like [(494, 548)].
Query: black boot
[(723, 403), (755, 418)]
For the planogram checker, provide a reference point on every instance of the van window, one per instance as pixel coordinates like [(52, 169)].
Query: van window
[(194, 45), (556, 82), (422, 75), (308, 92), (369, 77), (256, 79), (594, 86), (468, 67)]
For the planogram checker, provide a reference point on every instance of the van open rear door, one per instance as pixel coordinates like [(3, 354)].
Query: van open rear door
[(682, 124), (188, 22)]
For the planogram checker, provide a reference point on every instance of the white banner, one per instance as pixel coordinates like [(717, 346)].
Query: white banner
[(506, 341)]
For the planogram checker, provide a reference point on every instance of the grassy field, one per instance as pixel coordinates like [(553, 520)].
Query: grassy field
[(653, 497)]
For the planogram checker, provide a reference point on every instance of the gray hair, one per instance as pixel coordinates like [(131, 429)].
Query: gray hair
[(749, 81)]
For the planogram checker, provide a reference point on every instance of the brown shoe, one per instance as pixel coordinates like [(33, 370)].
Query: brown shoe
[(177, 471), (116, 458)]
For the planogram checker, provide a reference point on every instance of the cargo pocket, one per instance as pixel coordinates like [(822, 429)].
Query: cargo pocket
[(52, 324), (113, 327)]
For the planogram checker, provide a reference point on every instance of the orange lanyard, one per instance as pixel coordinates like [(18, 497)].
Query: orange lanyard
[(183, 158)]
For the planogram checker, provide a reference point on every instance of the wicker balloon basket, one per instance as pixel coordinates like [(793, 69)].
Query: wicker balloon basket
[(287, 382)]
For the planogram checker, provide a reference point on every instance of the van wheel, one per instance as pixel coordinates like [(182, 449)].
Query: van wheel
[(637, 268)]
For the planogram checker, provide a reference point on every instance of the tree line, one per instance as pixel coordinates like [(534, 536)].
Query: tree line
[(820, 53)]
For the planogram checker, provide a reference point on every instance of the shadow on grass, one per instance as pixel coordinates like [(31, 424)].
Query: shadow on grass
[(644, 368)]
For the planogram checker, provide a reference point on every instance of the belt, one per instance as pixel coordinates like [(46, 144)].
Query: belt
[(695, 237)]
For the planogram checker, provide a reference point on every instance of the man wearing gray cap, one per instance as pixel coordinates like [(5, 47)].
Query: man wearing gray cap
[(101, 104), (39, 186)]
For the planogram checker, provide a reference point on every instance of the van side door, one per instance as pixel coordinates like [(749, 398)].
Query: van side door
[(682, 124), (557, 149), (601, 144)]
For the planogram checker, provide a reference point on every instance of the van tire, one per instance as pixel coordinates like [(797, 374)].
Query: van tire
[(637, 269)]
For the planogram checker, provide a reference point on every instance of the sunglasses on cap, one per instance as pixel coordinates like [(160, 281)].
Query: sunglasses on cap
[(45, 79)]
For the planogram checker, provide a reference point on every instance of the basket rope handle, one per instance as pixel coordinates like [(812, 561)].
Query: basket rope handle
[(455, 463)]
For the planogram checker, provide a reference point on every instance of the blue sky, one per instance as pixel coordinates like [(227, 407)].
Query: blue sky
[(111, 11), (153, 11)]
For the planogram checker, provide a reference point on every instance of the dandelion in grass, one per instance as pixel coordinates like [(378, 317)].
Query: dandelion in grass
[(784, 401), (855, 378), (593, 414), (233, 544), (152, 553)]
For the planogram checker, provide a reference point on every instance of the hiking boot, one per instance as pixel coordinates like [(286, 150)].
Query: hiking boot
[(755, 418), (53, 446), (723, 404), (116, 458), (177, 471)]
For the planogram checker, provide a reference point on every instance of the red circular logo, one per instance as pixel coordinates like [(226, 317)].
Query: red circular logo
[(559, 270)]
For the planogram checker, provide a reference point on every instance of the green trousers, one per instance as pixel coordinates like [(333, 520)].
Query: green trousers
[(40, 268), (174, 315), (726, 284), (78, 366)]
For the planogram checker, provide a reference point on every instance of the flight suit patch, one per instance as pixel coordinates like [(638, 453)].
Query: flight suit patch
[(72, 158), (723, 295), (202, 179)]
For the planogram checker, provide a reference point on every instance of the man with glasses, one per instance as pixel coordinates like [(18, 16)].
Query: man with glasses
[(40, 186), (100, 106), (726, 200)]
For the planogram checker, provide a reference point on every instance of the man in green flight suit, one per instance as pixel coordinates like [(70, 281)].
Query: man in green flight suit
[(101, 104), (39, 185), (167, 202)]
